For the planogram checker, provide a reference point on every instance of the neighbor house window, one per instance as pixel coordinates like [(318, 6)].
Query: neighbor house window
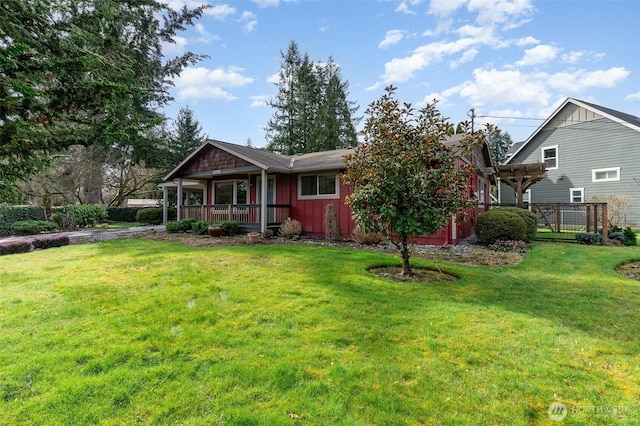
[(319, 186), (605, 175), (231, 192), (576, 195), (550, 157)]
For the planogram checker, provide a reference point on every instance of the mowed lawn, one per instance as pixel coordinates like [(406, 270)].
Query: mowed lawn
[(145, 332)]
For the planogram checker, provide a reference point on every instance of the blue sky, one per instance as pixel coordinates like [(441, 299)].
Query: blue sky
[(517, 59)]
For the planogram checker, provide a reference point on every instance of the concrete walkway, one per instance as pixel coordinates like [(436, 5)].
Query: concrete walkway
[(95, 234)]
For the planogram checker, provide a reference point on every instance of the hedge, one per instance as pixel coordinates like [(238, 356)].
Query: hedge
[(122, 214), (29, 227), (153, 215), (11, 214)]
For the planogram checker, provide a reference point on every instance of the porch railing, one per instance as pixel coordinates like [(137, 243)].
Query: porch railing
[(244, 214)]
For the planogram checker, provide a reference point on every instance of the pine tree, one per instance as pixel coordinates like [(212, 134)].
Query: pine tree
[(499, 144), (312, 112), (185, 138)]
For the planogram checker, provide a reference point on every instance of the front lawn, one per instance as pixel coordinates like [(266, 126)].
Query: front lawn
[(145, 332)]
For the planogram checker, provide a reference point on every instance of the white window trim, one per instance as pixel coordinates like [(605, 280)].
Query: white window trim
[(235, 189), (609, 169), (319, 196), (581, 190), (544, 148)]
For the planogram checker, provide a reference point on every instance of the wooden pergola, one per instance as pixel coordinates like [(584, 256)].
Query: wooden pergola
[(520, 177)]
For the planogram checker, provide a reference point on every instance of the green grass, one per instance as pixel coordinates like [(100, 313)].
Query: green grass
[(143, 332)]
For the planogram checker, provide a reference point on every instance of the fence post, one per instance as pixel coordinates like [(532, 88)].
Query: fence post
[(605, 222), (588, 219), (595, 218), (230, 212), (558, 219)]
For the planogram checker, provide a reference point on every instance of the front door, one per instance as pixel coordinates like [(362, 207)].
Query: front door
[(271, 196)]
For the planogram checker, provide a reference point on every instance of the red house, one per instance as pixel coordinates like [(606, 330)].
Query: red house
[(261, 189)]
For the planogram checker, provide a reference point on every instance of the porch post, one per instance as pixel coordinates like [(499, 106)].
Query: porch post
[(263, 208), (179, 206), (165, 204)]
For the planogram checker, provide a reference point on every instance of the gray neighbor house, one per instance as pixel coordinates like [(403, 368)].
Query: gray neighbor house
[(589, 151)]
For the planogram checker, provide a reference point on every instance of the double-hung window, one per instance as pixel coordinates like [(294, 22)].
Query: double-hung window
[(576, 195), (550, 157), (325, 185)]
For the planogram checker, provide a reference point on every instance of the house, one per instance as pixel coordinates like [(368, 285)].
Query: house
[(589, 151), (261, 189)]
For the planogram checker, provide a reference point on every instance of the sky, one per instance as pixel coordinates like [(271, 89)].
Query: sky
[(513, 61)]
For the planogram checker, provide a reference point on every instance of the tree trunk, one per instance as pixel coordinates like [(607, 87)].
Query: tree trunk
[(404, 252)]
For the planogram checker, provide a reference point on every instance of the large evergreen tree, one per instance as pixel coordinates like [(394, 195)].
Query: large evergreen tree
[(187, 135), (499, 144), (311, 110), (83, 72)]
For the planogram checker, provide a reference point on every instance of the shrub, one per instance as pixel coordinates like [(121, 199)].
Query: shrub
[(589, 238), (88, 214), (618, 236), (27, 227), (290, 229), (122, 214), (153, 215), (267, 234), (530, 221), (50, 241), (200, 227), (11, 214), (509, 246), (499, 224), (361, 236), (630, 237), (13, 247), (229, 227), (175, 226)]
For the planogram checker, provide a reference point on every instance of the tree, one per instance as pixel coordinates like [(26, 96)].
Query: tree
[(406, 181), (499, 144), (83, 72), (312, 112), (186, 137)]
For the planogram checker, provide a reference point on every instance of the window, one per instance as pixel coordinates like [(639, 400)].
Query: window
[(318, 186), (550, 157), (605, 175), (576, 195), (526, 196), (230, 192)]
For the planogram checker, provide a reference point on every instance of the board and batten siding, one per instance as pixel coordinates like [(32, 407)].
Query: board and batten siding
[(599, 143)]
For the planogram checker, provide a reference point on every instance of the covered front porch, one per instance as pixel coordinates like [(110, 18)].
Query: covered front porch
[(248, 216)]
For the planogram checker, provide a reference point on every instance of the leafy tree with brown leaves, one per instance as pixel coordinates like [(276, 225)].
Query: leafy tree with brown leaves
[(406, 180)]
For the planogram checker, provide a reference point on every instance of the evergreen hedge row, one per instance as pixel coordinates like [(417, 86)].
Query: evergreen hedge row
[(11, 214)]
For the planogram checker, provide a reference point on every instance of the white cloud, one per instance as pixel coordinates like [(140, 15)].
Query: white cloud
[(537, 55), (526, 41), (176, 48), (274, 78), (249, 21), (220, 11), (502, 87), (392, 37), (267, 3), (467, 56), (259, 100), (445, 7), (403, 7), (494, 12), (632, 97), (205, 36), (573, 56), (200, 82)]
